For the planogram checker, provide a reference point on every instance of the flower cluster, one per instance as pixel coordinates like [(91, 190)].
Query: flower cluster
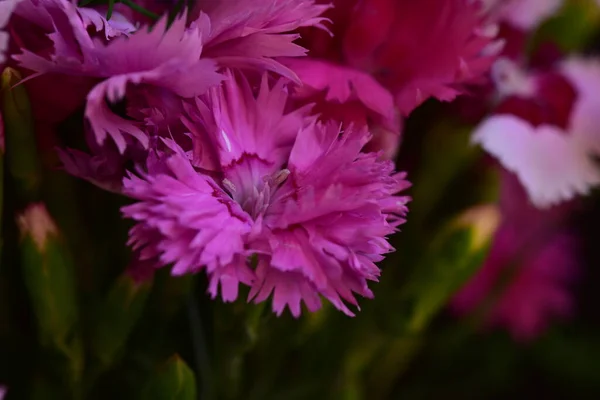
[(540, 127), (256, 139)]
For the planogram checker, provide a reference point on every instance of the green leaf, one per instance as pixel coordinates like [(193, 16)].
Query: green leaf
[(48, 273), (21, 155), (116, 317), (454, 256), (446, 154), (174, 381), (570, 29)]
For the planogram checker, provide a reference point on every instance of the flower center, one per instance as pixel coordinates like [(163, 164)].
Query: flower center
[(254, 196)]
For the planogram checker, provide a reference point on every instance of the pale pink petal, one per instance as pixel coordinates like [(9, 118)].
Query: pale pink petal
[(525, 14), (552, 165), (7, 7)]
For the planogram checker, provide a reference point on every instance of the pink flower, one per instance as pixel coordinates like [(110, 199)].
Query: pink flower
[(374, 60), (524, 14), (268, 198), (534, 255), (451, 49), (127, 61), (545, 131), (7, 7), (253, 33)]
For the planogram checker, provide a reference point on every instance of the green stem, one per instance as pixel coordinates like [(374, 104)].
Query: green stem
[(201, 356)]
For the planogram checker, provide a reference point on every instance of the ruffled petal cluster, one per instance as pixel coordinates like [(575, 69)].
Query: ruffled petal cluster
[(269, 198), (387, 57), (133, 79)]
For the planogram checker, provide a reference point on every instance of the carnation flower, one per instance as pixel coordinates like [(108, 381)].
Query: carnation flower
[(170, 59), (544, 130), (378, 38), (373, 71), (268, 198), (524, 283)]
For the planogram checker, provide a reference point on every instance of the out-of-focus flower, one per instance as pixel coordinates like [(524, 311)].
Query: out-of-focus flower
[(524, 283), (544, 129), (7, 7), (270, 199), (373, 70), (453, 47), (523, 14)]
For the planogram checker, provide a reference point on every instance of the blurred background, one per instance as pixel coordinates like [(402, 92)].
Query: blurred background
[(468, 306)]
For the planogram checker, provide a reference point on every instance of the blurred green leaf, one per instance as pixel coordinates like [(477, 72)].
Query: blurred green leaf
[(116, 316), (570, 358), (454, 256), (21, 155), (446, 154), (48, 274), (570, 29), (174, 381)]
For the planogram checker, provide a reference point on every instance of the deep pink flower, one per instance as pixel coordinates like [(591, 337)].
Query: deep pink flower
[(525, 281), (419, 49), (296, 194), (253, 33), (239, 34), (374, 60), (545, 131)]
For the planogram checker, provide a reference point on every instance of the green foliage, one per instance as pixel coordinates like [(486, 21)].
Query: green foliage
[(115, 318), (173, 381), (75, 325), (22, 158)]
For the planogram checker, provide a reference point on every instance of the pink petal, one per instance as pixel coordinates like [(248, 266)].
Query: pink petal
[(551, 165)]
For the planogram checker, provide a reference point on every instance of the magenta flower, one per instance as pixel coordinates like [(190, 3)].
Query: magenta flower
[(545, 131), (377, 37), (253, 33), (271, 199), (535, 256), (372, 71), (129, 61)]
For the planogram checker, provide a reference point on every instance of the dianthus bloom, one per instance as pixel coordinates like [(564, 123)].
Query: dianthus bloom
[(544, 129), (413, 49), (525, 281), (388, 56), (179, 61), (268, 198), (150, 70)]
